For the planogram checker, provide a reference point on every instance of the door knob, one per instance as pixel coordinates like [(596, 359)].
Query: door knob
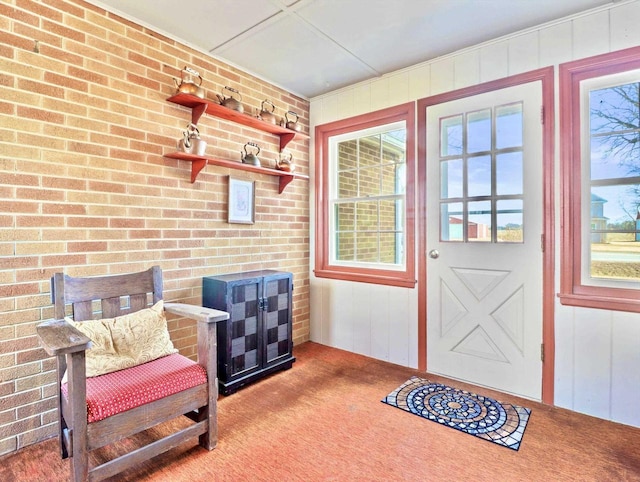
[(434, 253)]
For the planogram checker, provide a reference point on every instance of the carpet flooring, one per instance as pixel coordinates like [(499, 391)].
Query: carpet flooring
[(322, 420), (483, 417)]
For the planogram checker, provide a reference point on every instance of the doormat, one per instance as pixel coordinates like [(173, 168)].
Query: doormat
[(484, 417)]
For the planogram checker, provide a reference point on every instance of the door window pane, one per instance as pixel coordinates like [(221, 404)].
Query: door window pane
[(451, 136), (451, 222), (451, 179), (510, 221), (509, 173), (479, 131), (479, 221), (509, 132), (479, 176)]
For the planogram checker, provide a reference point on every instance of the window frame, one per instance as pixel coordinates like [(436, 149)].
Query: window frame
[(324, 266), (573, 291)]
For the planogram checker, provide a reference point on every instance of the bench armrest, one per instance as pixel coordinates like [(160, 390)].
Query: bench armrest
[(199, 313), (58, 337)]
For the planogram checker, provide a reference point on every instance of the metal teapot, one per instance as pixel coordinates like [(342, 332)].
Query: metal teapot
[(188, 83), (268, 115), (291, 124), (250, 157), (231, 102), (286, 163), (191, 142)]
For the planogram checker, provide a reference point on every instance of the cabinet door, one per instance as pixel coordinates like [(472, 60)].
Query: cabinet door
[(277, 318), (244, 336)]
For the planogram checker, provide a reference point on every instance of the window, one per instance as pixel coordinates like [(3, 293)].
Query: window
[(481, 176), (600, 129), (365, 198)]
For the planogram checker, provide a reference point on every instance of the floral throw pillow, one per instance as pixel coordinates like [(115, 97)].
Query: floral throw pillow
[(126, 341)]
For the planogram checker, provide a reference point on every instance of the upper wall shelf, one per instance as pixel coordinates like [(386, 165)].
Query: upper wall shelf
[(200, 106)]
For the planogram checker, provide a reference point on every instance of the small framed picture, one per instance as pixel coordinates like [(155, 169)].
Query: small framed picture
[(241, 201)]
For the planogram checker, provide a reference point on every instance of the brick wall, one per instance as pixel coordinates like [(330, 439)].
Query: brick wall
[(84, 186)]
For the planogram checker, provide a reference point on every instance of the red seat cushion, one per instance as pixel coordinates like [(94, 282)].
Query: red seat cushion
[(123, 390)]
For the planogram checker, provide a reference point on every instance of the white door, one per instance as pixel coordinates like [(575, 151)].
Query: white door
[(484, 226)]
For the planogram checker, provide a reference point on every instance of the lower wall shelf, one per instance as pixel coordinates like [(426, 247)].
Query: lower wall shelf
[(199, 162)]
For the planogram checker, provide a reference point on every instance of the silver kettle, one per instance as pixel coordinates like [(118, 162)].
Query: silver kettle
[(250, 157), (191, 143)]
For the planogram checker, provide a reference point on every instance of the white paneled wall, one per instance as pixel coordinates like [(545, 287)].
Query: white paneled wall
[(597, 368)]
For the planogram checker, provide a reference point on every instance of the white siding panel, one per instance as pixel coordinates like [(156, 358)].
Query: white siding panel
[(399, 324), (413, 329), (467, 69), (442, 76), (361, 318), (564, 356), (591, 35), (524, 54), (419, 82), (317, 304), (494, 61), (315, 112), (625, 382), (362, 99), (556, 44), (346, 103), (380, 94), (625, 32), (592, 348), (398, 89), (379, 311), (340, 298), (329, 109)]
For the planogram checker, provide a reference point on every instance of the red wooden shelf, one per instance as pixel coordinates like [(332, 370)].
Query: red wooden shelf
[(199, 162), (200, 106)]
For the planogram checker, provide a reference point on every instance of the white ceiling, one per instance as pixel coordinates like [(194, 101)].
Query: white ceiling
[(310, 47)]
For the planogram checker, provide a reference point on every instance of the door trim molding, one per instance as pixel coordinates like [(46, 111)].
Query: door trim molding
[(546, 76)]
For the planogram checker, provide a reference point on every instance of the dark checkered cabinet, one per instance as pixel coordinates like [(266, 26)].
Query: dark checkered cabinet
[(256, 339)]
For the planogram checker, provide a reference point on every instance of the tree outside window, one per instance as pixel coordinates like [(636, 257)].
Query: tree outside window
[(614, 166), (600, 165)]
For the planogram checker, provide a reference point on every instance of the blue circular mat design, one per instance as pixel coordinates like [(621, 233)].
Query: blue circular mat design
[(456, 408)]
